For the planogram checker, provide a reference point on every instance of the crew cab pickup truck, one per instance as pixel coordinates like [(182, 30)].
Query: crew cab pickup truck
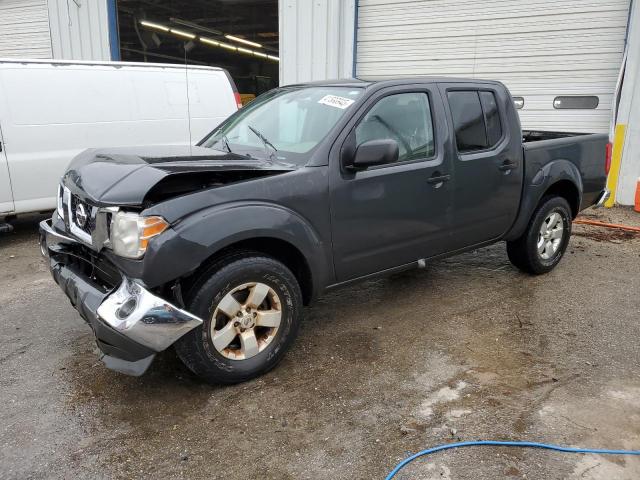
[(215, 249)]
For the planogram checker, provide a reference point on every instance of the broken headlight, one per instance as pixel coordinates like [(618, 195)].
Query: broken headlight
[(130, 233)]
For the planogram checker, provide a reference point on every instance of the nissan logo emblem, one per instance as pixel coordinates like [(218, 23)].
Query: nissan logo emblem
[(81, 215)]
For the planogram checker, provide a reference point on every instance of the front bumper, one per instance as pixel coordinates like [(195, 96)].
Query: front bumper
[(130, 323)]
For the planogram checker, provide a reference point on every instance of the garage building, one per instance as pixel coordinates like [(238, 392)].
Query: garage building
[(571, 66)]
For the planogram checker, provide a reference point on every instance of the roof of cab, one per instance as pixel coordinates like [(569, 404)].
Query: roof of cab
[(356, 82)]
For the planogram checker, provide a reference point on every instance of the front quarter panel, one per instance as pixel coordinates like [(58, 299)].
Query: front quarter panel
[(180, 251)]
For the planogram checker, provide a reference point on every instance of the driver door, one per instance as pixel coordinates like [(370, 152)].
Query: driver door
[(394, 214)]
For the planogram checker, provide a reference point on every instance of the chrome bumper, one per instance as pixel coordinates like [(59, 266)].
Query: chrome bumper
[(145, 318), (131, 323), (604, 196)]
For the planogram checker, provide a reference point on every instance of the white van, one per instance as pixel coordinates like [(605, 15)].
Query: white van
[(52, 110)]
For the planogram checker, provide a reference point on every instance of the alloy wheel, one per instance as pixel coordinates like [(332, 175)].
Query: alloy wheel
[(550, 235), (246, 320)]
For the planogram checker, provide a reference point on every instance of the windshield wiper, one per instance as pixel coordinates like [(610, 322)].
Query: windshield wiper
[(264, 140), (225, 142)]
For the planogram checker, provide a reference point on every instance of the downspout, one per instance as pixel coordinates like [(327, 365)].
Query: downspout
[(114, 35), (355, 39)]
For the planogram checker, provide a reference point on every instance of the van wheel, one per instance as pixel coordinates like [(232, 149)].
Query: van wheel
[(251, 306), (544, 242)]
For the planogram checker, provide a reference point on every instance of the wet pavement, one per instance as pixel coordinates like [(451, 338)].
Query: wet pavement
[(467, 349)]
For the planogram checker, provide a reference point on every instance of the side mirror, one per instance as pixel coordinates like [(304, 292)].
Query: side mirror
[(374, 152)]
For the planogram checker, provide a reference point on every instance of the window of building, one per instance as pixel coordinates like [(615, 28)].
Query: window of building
[(405, 118), (575, 102), (518, 102)]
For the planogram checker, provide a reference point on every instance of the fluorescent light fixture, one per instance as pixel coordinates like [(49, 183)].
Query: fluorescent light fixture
[(227, 46), (271, 57), (195, 26), (260, 54), (209, 41), (242, 40), (157, 26), (245, 50), (182, 33)]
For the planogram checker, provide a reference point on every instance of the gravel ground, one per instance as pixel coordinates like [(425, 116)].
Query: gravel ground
[(466, 349)]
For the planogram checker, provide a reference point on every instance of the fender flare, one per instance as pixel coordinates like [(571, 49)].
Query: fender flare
[(182, 249), (536, 185)]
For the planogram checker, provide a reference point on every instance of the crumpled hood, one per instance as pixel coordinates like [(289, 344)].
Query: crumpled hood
[(128, 175)]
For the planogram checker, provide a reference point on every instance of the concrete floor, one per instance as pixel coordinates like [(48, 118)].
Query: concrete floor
[(467, 349)]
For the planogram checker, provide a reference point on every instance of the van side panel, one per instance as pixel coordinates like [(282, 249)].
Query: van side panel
[(211, 100), (6, 196), (56, 111)]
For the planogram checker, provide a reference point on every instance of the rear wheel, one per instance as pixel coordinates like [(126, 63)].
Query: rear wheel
[(544, 242), (251, 306)]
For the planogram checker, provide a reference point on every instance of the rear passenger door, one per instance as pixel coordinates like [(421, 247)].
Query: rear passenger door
[(487, 164)]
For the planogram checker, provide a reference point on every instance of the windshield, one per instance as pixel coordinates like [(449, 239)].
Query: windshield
[(284, 124)]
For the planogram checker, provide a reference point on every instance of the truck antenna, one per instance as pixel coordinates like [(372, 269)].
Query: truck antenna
[(186, 76)]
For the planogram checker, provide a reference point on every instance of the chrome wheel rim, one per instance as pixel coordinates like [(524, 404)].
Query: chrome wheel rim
[(550, 236), (246, 321)]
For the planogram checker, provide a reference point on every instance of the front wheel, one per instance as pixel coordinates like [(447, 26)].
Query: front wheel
[(543, 244), (251, 306)]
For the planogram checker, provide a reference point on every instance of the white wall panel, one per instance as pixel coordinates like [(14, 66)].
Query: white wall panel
[(540, 49), (79, 29), (629, 114), (316, 40), (24, 29)]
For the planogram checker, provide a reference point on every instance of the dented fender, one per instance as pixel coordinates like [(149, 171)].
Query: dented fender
[(182, 249)]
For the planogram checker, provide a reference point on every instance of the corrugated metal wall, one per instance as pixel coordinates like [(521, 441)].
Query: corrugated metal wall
[(24, 29), (629, 114), (538, 48), (316, 39), (79, 29)]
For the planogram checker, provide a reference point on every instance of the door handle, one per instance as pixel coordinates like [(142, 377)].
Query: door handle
[(437, 179), (507, 165)]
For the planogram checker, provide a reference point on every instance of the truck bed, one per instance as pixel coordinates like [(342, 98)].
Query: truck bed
[(585, 153), (538, 135)]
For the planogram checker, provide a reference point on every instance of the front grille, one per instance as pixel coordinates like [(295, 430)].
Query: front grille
[(89, 224), (92, 265)]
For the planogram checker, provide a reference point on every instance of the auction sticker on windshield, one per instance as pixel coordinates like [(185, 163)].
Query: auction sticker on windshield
[(336, 101)]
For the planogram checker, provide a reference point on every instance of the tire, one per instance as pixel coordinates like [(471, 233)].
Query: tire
[(524, 252), (215, 292)]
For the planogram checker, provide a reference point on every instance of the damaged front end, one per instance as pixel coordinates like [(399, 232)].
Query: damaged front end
[(97, 241), (131, 324)]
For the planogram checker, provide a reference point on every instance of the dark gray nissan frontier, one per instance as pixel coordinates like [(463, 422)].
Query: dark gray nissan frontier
[(215, 249)]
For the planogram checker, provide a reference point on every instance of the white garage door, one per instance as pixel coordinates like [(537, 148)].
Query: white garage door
[(541, 49), (24, 29)]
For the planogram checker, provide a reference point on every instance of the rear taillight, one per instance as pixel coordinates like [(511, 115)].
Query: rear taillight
[(607, 158), (238, 99)]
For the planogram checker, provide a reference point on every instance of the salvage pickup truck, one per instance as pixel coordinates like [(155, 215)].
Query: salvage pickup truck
[(215, 249)]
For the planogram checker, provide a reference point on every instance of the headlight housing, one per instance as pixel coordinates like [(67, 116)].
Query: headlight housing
[(130, 233), (60, 204)]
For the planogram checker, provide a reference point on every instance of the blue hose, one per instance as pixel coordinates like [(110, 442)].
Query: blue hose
[(557, 448)]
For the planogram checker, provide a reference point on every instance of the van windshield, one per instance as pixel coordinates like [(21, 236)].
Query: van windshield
[(284, 124)]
